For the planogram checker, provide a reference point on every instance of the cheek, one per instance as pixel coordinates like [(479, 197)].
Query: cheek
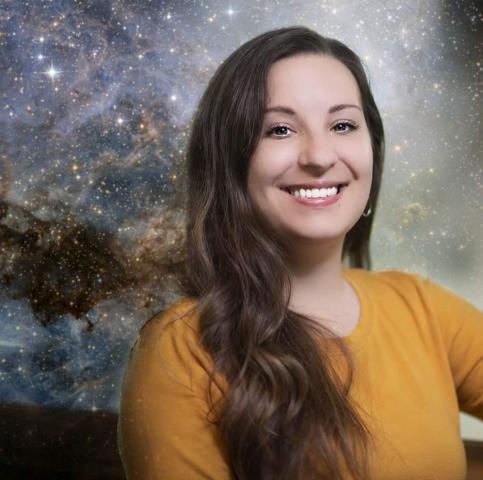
[(363, 154), (265, 165), (358, 159)]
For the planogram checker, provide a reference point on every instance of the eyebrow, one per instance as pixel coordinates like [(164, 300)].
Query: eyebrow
[(289, 111)]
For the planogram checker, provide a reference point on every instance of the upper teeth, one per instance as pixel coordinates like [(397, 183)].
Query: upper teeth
[(314, 192)]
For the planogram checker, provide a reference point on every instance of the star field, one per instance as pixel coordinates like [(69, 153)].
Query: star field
[(95, 108)]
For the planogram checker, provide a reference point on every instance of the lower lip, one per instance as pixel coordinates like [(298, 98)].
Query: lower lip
[(317, 202)]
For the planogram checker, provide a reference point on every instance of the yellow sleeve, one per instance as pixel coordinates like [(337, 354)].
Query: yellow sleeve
[(461, 324), (163, 433)]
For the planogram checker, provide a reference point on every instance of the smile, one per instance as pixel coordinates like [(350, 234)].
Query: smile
[(316, 197)]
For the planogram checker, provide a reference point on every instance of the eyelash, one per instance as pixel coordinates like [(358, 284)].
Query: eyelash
[(346, 123)]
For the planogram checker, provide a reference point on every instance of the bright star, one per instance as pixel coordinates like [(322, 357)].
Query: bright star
[(52, 72), (230, 12)]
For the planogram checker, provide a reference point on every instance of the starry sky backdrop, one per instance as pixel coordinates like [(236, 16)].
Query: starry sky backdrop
[(96, 99)]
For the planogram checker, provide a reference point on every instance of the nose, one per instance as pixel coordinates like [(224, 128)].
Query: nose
[(318, 152)]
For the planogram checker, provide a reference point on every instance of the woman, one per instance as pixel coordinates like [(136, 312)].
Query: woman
[(280, 362)]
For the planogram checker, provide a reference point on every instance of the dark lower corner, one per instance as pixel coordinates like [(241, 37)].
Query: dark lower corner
[(40, 443), (48, 444)]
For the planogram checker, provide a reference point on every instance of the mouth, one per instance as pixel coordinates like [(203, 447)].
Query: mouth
[(315, 197), (309, 192)]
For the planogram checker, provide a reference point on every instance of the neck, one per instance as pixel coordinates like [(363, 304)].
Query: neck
[(317, 280)]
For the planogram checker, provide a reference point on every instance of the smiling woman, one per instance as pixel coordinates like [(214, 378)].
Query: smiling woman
[(280, 362)]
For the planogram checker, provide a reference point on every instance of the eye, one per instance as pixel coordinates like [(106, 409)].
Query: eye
[(281, 130), (278, 131), (345, 126)]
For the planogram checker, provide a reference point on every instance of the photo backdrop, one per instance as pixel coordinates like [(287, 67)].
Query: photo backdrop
[(95, 108)]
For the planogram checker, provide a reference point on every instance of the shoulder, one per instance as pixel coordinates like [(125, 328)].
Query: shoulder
[(413, 291), (411, 284), (399, 282), (175, 319), (170, 342), (165, 340), (171, 330), (390, 275), (410, 291)]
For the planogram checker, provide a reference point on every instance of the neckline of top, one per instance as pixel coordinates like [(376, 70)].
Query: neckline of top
[(357, 338)]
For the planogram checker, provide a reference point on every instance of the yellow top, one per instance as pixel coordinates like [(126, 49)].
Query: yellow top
[(419, 354)]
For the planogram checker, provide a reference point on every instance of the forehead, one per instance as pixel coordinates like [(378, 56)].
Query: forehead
[(311, 78)]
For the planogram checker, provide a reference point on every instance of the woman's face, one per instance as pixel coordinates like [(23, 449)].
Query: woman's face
[(314, 134)]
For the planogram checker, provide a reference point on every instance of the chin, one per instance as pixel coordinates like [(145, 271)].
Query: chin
[(315, 236)]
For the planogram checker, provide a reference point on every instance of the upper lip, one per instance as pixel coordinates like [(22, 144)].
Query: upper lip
[(313, 184)]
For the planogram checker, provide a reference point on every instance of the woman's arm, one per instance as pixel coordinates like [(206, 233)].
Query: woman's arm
[(461, 324), (162, 430)]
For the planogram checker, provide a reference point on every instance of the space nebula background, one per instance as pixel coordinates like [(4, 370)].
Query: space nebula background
[(96, 99)]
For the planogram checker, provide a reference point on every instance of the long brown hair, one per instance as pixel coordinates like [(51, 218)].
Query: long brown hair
[(286, 414)]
